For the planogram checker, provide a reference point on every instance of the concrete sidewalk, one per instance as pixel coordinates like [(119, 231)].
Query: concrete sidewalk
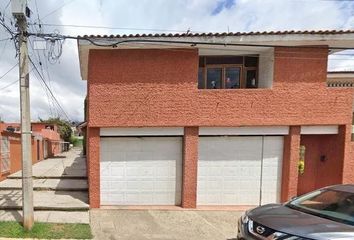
[(60, 191), (47, 184), (46, 200), (164, 225), (47, 216), (67, 165)]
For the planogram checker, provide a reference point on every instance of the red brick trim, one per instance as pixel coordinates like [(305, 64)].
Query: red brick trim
[(190, 167), (290, 164), (347, 153), (93, 154)]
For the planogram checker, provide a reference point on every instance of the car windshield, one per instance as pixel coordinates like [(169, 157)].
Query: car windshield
[(331, 204)]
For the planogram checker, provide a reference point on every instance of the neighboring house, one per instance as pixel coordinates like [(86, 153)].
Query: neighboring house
[(46, 143), (192, 120), (340, 79), (53, 144)]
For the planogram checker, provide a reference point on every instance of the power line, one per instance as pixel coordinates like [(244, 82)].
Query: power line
[(51, 104), (45, 86), (8, 71), (38, 18), (5, 39), (3, 50), (8, 29), (111, 28), (50, 91), (9, 85), (45, 89), (7, 5)]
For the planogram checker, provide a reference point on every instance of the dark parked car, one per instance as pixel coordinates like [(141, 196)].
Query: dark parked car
[(327, 213)]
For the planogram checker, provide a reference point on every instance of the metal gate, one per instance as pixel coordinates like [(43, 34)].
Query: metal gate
[(5, 155)]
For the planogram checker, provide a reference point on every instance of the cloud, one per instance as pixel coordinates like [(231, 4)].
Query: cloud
[(149, 16), (221, 5)]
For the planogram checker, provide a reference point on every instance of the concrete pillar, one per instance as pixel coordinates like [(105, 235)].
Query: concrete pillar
[(190, 167), (290, 163), (93, 164)]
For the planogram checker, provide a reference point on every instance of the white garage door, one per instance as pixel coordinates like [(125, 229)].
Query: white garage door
[(141, 170), (239, 170)]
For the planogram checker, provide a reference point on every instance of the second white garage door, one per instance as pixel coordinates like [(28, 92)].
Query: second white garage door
[(141, 170), (239, 170)]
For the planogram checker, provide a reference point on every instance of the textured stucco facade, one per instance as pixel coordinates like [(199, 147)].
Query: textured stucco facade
[(158, 88)]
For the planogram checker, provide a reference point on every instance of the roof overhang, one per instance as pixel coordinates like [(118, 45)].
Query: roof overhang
[(216, 44), (340, 75)]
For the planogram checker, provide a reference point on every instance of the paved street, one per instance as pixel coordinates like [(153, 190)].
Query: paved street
[(164, 225)]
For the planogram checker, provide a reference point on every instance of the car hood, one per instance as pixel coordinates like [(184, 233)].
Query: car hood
[(287, 220)]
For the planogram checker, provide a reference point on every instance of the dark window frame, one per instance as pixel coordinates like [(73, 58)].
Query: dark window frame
[(203, 66)]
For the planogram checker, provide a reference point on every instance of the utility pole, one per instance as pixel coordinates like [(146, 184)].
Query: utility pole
[(19, 8)]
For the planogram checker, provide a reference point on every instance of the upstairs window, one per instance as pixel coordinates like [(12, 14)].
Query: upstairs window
[(228, 72)]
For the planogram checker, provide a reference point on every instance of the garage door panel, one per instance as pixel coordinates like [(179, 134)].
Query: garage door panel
[(211, 198), (139, 186), (105, 169), (209, 171), (210, 185), (136, 172), (272, 169), (141, 171), (230, 169), (117, 185), (105, 185), (165, 185)]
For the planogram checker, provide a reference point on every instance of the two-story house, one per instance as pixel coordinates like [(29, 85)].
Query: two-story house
[(214, 119)]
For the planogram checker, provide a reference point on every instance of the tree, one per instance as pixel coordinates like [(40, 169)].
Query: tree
[(64, 127)]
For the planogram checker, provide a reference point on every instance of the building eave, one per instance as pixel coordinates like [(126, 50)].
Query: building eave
[(332, 39)]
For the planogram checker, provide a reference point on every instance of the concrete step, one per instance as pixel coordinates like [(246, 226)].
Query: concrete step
[(47, 184), (48, 177), (46, 200), (48, 216), (57, 171)]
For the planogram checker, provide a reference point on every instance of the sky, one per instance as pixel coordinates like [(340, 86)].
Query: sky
[(143, 16)]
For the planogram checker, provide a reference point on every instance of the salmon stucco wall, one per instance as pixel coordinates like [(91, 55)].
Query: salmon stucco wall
[(134, 88), (158, 88)]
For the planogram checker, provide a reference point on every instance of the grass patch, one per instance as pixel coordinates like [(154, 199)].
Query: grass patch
[(46, 230)]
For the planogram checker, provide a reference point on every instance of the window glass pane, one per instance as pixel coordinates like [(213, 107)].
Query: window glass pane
[(251, 81), (232, 77), (337, 205), (214, 76), (201, 78)]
